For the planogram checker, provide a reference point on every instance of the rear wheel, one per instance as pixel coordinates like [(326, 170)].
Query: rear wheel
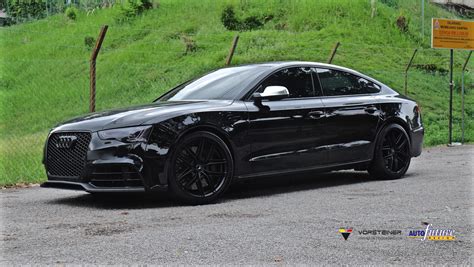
[(201, 168), (392, 153)]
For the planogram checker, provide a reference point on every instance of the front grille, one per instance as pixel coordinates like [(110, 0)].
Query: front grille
[(115, 176), (66, 153)]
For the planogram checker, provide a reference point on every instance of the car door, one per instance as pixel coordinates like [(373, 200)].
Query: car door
[(352, 115), (284, 133)]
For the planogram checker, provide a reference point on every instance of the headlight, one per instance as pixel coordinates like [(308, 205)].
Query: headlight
[(130, 135)]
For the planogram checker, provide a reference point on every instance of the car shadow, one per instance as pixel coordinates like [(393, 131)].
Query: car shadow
[(251, 188)]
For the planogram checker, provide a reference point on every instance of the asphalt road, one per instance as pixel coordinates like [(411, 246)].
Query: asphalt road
[(280, 220)]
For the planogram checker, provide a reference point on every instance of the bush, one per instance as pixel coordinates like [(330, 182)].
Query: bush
[(89, 42), (231, 22), (189, 43), (133, 8), (71, 13), (390, 3), (402, 24), (26, 9), (251, 23)]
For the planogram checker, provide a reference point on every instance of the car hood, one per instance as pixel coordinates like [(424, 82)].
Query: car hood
[(137, 115)]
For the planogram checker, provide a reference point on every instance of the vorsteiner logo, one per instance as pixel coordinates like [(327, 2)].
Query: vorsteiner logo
[(380, 232), (345, 232)]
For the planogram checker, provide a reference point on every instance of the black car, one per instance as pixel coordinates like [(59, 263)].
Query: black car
[(235, 123)]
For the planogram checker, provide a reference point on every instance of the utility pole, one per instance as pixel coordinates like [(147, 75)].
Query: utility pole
[(450, 141), (462, 96)]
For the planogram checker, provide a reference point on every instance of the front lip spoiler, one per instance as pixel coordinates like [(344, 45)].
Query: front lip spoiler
[(90, 188)]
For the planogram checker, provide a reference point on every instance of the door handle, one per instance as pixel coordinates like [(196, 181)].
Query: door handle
[(370, 109), (316, 114)]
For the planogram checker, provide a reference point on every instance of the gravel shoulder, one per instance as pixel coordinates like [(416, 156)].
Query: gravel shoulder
[(289, 219)]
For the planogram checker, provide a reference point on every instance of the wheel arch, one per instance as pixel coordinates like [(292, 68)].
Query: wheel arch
[(385, 123), (212, 129)]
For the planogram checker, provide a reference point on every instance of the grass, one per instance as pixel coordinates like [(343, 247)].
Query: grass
[(44, 64)]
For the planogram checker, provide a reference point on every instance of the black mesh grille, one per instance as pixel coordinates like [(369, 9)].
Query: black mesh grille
[(66, 154)]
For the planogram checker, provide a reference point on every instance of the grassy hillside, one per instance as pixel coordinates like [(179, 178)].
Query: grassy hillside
[(44, 64)]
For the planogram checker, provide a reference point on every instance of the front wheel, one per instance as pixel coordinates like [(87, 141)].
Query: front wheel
[(392, 153), (201, 168)]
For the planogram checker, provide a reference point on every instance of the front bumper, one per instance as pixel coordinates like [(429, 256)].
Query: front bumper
[(108, 166), (417, 141), (90, 188)]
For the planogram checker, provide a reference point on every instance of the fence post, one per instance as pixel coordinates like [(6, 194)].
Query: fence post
[(232, 50), (406, 70), (462, 95), (93, 59), (333, 52), (374, 9)]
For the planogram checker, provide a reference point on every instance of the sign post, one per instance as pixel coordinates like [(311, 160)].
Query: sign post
[(452, 34)]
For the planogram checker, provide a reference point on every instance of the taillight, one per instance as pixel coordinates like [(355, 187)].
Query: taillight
[(417, 109)]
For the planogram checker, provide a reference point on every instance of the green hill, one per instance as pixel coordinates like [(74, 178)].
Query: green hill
[(44, 64)]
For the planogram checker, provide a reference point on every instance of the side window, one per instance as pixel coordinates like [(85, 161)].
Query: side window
[(336, 82), (298, 81)]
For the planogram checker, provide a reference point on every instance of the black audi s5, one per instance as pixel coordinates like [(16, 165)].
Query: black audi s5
[(235, 123)]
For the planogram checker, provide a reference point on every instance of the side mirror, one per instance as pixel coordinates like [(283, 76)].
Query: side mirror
[(272, 93)]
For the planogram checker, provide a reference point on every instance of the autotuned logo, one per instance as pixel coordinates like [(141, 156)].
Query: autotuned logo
[(345, 232), (434, 234), (66, 141)]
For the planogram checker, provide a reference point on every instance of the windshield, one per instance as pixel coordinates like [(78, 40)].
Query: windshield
[(223, 84)]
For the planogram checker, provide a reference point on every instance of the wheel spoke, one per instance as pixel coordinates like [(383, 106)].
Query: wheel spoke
[(209, 153), (209, 180), (398, 138), (200, 149), (199, 185), (216, 162), (215, 172), (185, 173), (402, 144), (191, 153), (401, 159), (191, 181), (403, 154), (391, 163), (395, 164), (184, 161)]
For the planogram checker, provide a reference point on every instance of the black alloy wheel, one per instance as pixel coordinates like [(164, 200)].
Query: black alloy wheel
[(201, 168), (392, 153)]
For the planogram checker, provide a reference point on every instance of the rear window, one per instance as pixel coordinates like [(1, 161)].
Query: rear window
[(335, 82)]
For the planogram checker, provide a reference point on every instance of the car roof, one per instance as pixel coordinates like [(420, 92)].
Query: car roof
[(282, 64)]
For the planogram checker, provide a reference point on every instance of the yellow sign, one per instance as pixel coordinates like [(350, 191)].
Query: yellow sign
[(452, 34)]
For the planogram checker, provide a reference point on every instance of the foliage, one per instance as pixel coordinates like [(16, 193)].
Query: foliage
[(133, 8), (19, 9), (89, 42), (71, 13), (390, 3), (252, 22), (44, 73), (189, 43), (402, 24), (229, 20)]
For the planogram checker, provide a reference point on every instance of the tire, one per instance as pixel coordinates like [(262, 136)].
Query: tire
[(200, 168), (392, 154)]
